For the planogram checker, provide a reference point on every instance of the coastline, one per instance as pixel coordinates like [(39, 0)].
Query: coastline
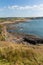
[(15, 21), (22, 38)]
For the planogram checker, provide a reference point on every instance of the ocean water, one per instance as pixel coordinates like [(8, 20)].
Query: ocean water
[(32, 27)]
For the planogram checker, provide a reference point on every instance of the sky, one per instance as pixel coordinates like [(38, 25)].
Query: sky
[(21, 8)]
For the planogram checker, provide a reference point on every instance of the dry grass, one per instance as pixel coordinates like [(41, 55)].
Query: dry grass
[(19, 54)]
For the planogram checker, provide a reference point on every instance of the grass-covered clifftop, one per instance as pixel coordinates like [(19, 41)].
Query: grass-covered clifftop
[(19, 54)]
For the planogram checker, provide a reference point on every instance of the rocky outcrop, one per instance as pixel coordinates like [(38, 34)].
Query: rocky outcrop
[(32, 40)]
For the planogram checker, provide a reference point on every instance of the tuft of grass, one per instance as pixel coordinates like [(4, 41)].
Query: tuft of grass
[(2, 38)]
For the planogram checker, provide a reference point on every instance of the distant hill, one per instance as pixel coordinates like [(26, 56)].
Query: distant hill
[(18, 18)]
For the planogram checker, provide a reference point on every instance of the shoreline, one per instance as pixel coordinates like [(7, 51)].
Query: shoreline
[(32, 39), (11, 22), (26, 38)]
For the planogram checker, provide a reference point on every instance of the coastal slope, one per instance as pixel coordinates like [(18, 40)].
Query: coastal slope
[(20, 54)]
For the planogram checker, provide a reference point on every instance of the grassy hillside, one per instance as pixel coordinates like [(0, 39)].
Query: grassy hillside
[(19, 54)]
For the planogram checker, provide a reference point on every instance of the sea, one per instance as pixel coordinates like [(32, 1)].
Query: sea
[(30, 27)]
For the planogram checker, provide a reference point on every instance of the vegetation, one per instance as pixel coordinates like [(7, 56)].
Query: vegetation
[(17, 18), (10, 19), (2, 38), (19, 54)]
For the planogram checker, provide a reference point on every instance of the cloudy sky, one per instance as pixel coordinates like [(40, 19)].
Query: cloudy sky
[(21, 8)]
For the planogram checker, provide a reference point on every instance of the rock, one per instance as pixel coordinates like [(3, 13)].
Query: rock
[(32, 40)]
